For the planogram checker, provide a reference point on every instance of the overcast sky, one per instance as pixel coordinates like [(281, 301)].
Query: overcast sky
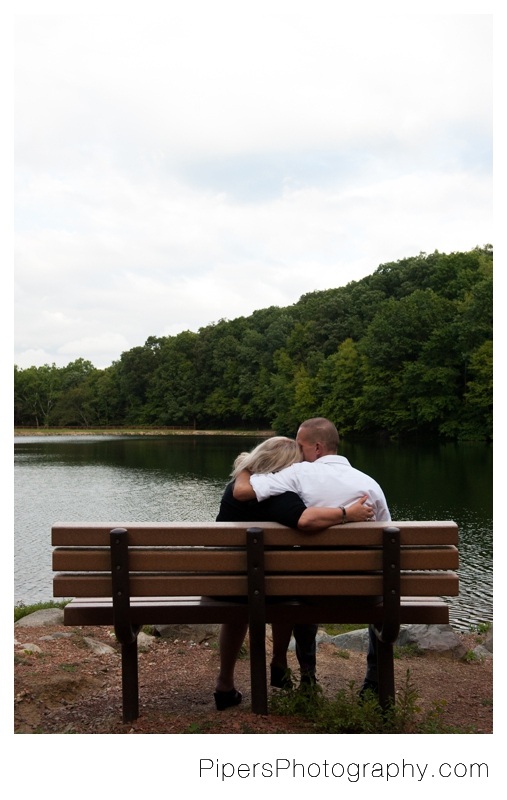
[(175, 170)]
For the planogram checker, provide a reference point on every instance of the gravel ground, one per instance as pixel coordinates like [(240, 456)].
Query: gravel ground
[(66, 688)]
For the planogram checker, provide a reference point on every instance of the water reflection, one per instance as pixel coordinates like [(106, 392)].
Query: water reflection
[(100, 478)]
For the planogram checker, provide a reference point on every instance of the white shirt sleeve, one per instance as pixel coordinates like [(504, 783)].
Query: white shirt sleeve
[(273, 483)]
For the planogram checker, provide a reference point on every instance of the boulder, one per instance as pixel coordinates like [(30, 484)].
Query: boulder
[(485, 650), (488, 641), (436, 638), (440, 639), (46, 616), (28, 647), (144, 642), (189, 633), (354, 640), (99, 648)]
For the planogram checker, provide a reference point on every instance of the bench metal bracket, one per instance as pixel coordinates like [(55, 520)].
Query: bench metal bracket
[(388, 633), (126, 633), (257, 618)]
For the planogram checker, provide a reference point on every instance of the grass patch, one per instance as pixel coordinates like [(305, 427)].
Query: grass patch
[(195, 727), (20, 610), (470, 657), (68, 667), (342, 653), (408, 650), (243, 652), (482, 628), (336, 630), (349, 713)]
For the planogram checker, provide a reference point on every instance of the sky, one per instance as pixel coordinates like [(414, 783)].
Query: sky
[(180, 167)]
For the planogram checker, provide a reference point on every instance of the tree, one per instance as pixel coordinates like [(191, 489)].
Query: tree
[(36, 391), (339, 386)]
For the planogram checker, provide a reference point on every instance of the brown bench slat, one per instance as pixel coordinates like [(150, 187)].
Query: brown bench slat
[(424, 583), (232, 534), (160, 610), (161, 560)]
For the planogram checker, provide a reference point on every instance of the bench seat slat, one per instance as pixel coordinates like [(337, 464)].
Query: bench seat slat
[(93, 585), (161, 560), (160, 610), (233, 533)]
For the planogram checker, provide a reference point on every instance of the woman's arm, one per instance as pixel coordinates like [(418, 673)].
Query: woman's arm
[(316, 518)]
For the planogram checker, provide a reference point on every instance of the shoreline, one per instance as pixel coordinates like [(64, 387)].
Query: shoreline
[(134, 432)]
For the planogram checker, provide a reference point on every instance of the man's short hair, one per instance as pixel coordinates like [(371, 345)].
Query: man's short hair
[(320, 429)]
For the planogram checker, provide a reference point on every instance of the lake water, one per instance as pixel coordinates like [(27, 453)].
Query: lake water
[(160, 478)]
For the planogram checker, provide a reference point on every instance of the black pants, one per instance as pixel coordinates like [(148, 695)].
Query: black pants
[(306, 650), (306, 647)]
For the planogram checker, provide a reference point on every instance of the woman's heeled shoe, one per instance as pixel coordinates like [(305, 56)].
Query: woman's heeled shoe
[(225, 700)]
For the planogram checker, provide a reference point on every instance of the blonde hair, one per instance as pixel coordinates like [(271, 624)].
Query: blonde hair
[(271, 455)]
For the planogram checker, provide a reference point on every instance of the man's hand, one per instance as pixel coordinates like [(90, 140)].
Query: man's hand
[(316, 518), (242, 487), (360, 511)]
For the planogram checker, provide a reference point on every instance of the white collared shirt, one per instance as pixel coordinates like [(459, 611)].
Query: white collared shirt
[(328, 482)]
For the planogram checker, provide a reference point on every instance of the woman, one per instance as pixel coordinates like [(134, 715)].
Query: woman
[(273, 455)]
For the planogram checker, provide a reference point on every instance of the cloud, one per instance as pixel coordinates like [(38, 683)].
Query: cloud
[(173, 171)]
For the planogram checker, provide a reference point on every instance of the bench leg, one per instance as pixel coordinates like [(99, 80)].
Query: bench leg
[(258, 668), (129, 679), (385, 661)]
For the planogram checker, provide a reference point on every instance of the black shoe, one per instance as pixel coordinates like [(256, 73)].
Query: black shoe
[(280, 678), (368, 686), (225, 700)]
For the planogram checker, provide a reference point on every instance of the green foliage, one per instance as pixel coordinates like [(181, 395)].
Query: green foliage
[(481, 628), (335, 629), (470, 656), (196, 727), (350, 713), (243, 654), (409, 650), (404, 352)]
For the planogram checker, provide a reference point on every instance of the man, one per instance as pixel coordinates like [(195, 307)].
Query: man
[(323, 479)]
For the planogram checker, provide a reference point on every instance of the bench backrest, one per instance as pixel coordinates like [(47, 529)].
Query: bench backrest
[(188, 559)]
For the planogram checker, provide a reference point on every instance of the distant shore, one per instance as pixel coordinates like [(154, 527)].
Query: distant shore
[(135, 432)]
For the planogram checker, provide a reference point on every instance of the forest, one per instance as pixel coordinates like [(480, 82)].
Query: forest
[(405, 352)]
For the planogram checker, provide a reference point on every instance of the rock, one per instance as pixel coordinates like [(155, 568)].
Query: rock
[(144, 642), (482, 652), (99, 648), (488, 641), (189, 633), (440, 639), (485, 650), (437, 638), (46, 616), (28, 647), (354, 640)]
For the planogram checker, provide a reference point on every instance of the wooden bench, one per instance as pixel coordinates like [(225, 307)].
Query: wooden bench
[(154, 573)]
